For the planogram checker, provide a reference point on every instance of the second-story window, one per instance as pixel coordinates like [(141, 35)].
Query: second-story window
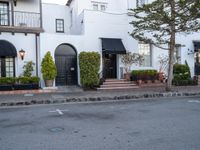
[(103, 7), (60, 25), (95, 7), (98, 6), (4, 14)]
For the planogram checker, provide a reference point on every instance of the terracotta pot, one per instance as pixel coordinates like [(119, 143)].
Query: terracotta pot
[(127, 76), (139, 82), (49, 83)]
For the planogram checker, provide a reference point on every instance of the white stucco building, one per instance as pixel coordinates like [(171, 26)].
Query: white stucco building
[(89, 25)]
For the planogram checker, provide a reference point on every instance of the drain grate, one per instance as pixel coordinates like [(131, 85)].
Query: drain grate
[(56, 129)]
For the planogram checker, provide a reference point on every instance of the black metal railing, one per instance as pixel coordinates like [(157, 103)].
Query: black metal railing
[(20, 19)]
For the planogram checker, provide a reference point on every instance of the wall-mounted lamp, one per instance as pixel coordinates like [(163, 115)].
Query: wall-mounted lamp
[(22, 54), (190, 52)]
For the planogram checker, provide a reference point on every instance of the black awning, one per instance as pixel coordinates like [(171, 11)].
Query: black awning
[(7, 49), (196, 46), (112, 46)]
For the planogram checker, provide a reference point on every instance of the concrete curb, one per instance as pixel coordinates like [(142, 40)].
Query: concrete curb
[(100, 98)]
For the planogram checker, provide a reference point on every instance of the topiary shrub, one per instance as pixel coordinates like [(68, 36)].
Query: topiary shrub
[(28, 69), (89, 63), (48, 67)]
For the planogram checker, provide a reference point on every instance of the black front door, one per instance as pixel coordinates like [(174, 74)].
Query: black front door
[(66, 63), (110, 66)]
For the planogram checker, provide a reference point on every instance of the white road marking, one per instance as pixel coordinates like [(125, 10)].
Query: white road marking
[(193, 101), (60, 112)]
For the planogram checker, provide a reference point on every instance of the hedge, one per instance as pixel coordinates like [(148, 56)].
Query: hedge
[(19, 80), (182, 75), (89, 63), (144, 74)]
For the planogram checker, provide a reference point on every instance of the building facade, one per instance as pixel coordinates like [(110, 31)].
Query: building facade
[(89, 25)]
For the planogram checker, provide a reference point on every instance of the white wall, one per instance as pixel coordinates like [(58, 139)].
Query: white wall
[(27, 43), (49, 42), (28, 6), (51, 12), (96, 25)]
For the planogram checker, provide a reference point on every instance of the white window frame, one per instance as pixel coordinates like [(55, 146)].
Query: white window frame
[(145, 54), (99, 6)]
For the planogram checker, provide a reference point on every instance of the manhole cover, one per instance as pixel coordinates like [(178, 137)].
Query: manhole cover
[(56, 129)]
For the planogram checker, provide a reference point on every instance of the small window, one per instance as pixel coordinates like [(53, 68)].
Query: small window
[(145, 50), (60, 25), (177, 54), (99, 6), (95, 6), (103, 7), (4, 14)]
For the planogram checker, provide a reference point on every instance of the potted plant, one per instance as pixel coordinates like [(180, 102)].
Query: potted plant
[(128, 60), (6, 83), (48, 69)]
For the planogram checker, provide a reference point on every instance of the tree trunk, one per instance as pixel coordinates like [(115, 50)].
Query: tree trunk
[(171, 47)]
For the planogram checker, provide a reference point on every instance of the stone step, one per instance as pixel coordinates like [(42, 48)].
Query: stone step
[(117, 85), (117, 88), (117, 82), (114, 80)]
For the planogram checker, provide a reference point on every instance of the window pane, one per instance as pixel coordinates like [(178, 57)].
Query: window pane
[(3, 13), (59, 25), (95, 6), (145, 50), (103, 7), (9, 67)]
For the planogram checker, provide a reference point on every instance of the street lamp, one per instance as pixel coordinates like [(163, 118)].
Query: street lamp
[(22, 54)]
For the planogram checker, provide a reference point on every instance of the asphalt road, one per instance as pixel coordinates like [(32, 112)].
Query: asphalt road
[(167, 124)]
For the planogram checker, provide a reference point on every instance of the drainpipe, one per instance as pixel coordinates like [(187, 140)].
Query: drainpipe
[(36, 53), (41, 20)]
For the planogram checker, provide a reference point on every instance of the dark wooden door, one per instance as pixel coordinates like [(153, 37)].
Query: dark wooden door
[(110, 66), (66, 70), (66, 63)]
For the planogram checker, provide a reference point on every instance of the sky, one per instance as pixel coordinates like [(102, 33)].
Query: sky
[(62, 2)]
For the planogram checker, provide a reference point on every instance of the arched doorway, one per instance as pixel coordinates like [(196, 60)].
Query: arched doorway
[(66, 63), (8, 53)]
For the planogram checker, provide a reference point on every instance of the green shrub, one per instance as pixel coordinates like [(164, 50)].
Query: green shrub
[(28, 69), (181, 70), (182, 75), (34, 80), (7, 80), (144, 74), (48, 67), (27, 80), (89, 63), (188, 82)]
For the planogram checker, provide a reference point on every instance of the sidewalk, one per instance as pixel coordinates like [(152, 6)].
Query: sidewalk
[(82, 96)]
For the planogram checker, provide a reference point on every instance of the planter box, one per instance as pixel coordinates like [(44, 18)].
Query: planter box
[(6, 87), (22, 87), (35, 86)]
